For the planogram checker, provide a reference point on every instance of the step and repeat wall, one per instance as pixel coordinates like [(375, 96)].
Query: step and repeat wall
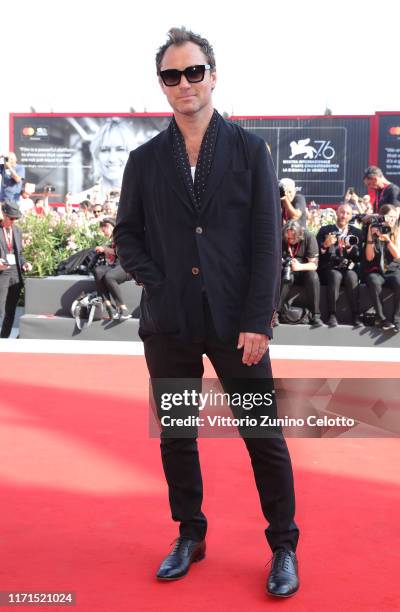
[(86, 154), (81, 154), (389, 145), (323, 155)]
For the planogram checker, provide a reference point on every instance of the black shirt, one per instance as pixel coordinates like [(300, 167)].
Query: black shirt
[(304, 250), (387, 195), (382, 259), (299, 203)]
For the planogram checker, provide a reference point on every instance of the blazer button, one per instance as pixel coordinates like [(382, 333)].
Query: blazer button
[(199, 230), (195, 271)]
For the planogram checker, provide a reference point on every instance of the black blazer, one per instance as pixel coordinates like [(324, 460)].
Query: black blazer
[(231, 248), (330, 258), (17, 242)]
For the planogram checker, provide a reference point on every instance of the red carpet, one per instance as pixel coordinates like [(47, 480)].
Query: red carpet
[(84, 505)]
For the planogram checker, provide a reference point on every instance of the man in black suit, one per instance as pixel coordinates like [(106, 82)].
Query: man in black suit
[(198, 227), (12, 264), (340, 248)]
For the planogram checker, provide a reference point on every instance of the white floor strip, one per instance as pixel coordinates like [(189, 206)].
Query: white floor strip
[(335, 353), (74, 347), (98, 347)]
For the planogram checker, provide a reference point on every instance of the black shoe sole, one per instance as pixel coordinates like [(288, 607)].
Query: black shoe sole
[(166, 579), (282, 596)]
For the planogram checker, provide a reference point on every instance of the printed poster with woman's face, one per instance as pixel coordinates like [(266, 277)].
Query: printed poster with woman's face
[(83, 156)]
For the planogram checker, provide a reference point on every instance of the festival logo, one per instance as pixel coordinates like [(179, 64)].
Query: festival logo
[(303, 147)]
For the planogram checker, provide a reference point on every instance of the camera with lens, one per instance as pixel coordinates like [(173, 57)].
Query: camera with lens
[(49, 189), (345, 260), (349, 240), (382, 227), (282, 191), (378, 221), (96, 259), (287, 272), (3, 160)]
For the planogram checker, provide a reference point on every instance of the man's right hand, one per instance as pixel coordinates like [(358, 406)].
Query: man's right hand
[(329, 241), (3, 265), (254, 347)]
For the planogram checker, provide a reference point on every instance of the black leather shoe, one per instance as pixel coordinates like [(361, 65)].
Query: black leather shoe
[(184, 553), (316, 321), (283, 580)]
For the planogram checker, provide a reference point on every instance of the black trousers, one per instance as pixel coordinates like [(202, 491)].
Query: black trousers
[(108, 279), (333, 279), (10, 288), (308, 279), (169, 357), (375, 282)]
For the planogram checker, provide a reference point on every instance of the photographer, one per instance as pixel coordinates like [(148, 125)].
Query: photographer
[(293, 204), (382, 266), (12, 265), (41, 207), (12, 176), (353, 200), (300, 262), (386, 192), (339, 250), (110, 275)]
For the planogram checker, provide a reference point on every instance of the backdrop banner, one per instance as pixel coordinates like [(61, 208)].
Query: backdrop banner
[(323, 155), (389, 145), (81, 154), (85, 154)]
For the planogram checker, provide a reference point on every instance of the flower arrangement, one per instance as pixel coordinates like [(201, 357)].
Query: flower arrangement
[(50, 239)]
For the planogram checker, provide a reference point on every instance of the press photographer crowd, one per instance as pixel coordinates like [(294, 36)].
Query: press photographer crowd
[(357, 241)]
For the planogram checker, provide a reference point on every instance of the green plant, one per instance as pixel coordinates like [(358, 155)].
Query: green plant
[(48, 240)]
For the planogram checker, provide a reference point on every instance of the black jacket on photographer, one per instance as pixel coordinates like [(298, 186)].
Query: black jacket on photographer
[(336, 257)]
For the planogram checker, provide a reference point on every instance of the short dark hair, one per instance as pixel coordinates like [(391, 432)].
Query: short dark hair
[(107, 221), (372, 171), (387, 208), (180, 36)]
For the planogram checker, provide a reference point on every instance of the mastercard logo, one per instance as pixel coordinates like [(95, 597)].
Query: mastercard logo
[(394, 131), (28, 131)]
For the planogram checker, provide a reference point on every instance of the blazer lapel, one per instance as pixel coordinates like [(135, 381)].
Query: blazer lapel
[(167, 163), (3, 246), (221, 162)]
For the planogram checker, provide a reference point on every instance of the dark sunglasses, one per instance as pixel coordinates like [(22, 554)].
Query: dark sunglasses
[(193, 74)]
